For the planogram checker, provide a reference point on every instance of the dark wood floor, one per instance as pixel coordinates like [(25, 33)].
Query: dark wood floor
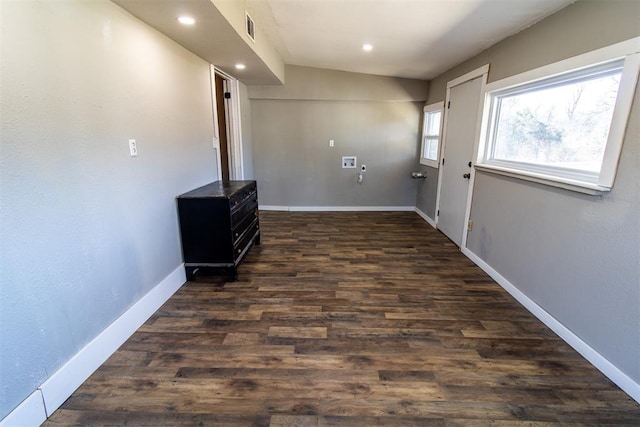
[(351, 319)]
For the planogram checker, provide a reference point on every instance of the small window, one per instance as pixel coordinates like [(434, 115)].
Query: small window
[(430, 151), (567, 127)]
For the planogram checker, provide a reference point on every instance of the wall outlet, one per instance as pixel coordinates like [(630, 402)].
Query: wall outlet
[(133, 147), (349, 162), (331, 143)]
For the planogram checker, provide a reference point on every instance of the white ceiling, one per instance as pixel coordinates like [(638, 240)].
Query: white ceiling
[(213, 38), (411, 38)]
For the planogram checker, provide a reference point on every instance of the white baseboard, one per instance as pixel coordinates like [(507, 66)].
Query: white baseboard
[(54, 391), (424, 216), (337, 208), (621, 379), (273, 208), (29, 413), (59, 386)]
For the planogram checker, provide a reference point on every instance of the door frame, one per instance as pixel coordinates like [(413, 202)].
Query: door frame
[(483, 73), (234, 125)]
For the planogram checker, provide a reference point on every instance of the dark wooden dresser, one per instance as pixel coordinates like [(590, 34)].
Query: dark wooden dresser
[(218, 224)]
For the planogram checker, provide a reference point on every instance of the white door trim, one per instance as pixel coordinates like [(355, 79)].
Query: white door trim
[(478, 72), (234, 125), (471, 75), (234, 130), (216, 130), (474, 157)]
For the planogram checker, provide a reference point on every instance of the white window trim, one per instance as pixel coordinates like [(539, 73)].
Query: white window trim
[(432, 108), (629, 51)]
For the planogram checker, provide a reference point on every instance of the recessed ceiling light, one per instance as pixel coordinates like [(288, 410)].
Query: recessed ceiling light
[(367, 47), (240, 66), (186, 20)]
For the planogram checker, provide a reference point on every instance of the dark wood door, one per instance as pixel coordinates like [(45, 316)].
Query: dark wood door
[(222, 127)]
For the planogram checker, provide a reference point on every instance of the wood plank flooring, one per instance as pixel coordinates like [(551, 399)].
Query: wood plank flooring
[(350, 319)]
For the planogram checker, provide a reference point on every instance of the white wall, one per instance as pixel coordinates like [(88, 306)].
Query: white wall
[(86, 229)]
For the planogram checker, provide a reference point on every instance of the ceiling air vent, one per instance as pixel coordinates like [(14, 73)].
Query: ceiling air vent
[(251, 29)]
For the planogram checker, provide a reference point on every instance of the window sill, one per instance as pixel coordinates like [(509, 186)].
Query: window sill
[(567, 184), (430, 163)]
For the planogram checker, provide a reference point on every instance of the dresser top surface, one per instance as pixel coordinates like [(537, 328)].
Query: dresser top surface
[(217, 189)]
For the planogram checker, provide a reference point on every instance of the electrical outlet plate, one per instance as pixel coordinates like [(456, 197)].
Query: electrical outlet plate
[(133, 147), (349, 162)]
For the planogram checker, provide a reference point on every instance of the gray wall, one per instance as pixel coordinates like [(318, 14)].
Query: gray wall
[(374, 118), (583, 26), (427, 191), (86, 229), (576, 256)]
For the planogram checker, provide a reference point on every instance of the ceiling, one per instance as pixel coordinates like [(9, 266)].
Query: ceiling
[(212, 37), (411, 38)]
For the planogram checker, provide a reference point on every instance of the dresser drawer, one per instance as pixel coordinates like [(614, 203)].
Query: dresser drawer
[(242, 195), (244, 215), (245, 239)]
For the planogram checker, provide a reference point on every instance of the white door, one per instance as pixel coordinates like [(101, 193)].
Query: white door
[(455, 166)]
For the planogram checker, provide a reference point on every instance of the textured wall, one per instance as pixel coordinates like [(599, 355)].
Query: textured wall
[(86, 229), (307, 83), (576, 256), (579, 28), (427, 191), (377, 119), (295, 167)]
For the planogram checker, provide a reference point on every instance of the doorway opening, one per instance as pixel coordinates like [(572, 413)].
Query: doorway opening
[(227, 140), (221, 108)]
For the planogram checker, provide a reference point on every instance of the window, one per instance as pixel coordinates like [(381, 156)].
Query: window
[(561, 128), (429, 153)]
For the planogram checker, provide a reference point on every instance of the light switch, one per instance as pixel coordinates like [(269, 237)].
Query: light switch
[(331, 143)]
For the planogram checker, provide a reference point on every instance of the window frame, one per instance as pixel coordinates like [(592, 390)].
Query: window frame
[(437, 107), (561, 71)]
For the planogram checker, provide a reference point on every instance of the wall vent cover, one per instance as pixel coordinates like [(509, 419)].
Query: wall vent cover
[(251, 29)]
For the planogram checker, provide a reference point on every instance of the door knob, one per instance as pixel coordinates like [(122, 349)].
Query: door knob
[(466, 176)]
